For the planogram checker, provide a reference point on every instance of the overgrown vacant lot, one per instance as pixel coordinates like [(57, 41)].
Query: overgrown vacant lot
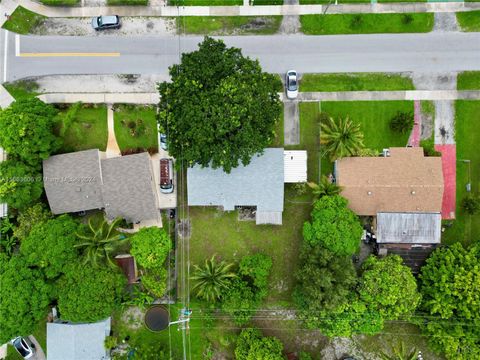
[(355, 82), (88, 130), (136, 127), (229, 25), (466, 228), (468, 80), (366, 23)]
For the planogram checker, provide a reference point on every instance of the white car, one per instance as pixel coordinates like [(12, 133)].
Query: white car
[(291, 84), (24, 347)]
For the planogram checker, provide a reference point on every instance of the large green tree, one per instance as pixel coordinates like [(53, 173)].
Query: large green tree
[(219, 108), (50, 245), (28, 130), (28, 218), (20, 184), (86, 293), (24, 297), (450, 285), (333, 226), (325, 281), (252, 345), (388, 286)]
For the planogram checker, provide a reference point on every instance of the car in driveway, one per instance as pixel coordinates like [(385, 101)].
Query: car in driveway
[(106, 22), (166, 176), (291, 84), (24, 347)]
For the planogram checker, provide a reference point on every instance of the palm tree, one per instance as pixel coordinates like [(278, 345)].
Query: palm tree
[(401, 353), (100, 242), (324, 188), (213, 279), (341, 138)]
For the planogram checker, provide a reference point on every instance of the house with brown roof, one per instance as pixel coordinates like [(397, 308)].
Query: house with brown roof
[(403, 190)]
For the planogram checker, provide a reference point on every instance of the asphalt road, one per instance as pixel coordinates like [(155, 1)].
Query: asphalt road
[(432, 52)]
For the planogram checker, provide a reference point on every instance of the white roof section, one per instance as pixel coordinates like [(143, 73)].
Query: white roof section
[(268, 218), (3, 207), (409, 228), (295, 166)]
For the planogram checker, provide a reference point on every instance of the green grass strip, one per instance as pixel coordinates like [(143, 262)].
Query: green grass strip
[(22, 21), (468, 80), (60, 2), (226, 25), (204, 2), (355, 82), (366, 23), (128, 2), (469, 21)]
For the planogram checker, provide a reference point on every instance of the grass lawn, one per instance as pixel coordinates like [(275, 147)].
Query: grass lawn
[(88, 131), (127, 2), (469, 20), (124, 114), (267, 2), (22, 21), (468, 80), (60, 2), (466, 228), (22, 88), (355, 82), (366, 23), (308, 2), (204, 2), (228, 25)]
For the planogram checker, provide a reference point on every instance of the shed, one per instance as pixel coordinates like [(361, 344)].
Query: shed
[(295, 166), (408, 228), (77, 341)]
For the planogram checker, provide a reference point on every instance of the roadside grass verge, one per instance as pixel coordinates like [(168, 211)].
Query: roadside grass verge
[(228, 25), (312, 2), (22, 88), (204, 2), (366, 23), (87, 131), (468, 80), (60, 2), (465, 228), (128, 2), (355, 82), (267, 2), (21, 21), (469, 20), (131, 118)]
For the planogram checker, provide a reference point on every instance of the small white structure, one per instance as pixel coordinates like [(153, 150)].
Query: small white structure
[(3, 207), (295, 166)]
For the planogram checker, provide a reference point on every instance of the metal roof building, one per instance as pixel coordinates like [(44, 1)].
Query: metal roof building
[(295, 166), (77, 341), (258, 184), (409, 228)]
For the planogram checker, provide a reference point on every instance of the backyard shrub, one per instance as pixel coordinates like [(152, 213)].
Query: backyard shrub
[(34, 215), (251, 344), (428, 146), (407, 19), (471, 204), (69, 117), (402, 122), (257, 267), (110, 342), (333, 226), (150, 247), (356, 21), (155, 281)]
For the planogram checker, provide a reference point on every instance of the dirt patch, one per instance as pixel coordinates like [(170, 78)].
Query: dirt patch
[(184, 229), (133, 318), (83, 27)]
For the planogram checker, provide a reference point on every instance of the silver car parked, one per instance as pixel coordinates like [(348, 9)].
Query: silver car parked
[(106, 22), (291, 84)]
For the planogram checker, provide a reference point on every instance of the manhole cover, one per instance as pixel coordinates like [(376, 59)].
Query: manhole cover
[(156, 318)]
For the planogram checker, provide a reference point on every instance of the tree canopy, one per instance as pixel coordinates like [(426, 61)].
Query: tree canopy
[(50, 245), (150, 247), (333, 226), (28, 130), (341, 137), (252, 345), (388, 286), (24, 297), (219, 109), (450, 285), (34, 215), (20, 184), (86, 293)]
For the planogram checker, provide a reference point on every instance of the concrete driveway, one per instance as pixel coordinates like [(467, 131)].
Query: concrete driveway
[(291, 123)]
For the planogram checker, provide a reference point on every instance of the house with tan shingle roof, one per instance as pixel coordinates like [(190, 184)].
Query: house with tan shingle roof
[(403, 190)]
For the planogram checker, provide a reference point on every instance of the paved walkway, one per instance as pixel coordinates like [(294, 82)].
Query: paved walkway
[(113, 150), (414, 139), (7, 6), (105, 98), (449, 164), (388, 95), (5, 98)]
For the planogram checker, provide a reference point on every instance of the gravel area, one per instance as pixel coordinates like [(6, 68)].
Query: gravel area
[(83, 27)]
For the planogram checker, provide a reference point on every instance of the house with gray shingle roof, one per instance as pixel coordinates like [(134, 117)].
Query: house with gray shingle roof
[(87, 180), (259, 184), (77, 341)]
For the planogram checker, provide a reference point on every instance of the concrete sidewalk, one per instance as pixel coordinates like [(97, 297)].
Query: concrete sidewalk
[(106, 98), (388, 95), (8, 6)]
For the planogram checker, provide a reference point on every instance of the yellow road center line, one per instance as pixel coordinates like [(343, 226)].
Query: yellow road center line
[(113, 54)]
